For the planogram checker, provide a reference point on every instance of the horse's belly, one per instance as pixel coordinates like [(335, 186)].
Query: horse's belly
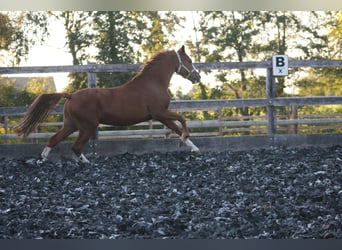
[(123, 119), (121, 122)]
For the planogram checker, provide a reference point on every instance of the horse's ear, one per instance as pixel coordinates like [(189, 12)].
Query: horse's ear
[(182, 49)]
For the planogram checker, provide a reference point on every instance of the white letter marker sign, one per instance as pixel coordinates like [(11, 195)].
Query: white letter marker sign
[(280, 65)]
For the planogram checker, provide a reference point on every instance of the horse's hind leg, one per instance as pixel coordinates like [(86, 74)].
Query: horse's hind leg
[(64, 132), (81, 140)]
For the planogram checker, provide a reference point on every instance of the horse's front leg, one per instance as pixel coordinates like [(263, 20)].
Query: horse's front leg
[(168, 118)]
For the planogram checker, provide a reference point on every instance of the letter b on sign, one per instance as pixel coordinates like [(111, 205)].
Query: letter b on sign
[(280, 65)]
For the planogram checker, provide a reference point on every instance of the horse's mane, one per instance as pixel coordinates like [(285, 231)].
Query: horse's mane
[(154, 60)]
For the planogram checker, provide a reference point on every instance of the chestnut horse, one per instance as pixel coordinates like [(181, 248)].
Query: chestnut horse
[(142, 98)]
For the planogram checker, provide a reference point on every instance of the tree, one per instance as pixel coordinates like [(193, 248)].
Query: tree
[(115, 43), (123, 34), (11, 96), (160, 28), (6, 32), (254, 35), (335, 35), (227, 36), (326, 81), (116, 36), (79, 39), (242, 36), (19, 32), (40, 85)]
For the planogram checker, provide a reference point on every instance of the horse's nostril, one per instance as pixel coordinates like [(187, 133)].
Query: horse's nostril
[(196, 79)]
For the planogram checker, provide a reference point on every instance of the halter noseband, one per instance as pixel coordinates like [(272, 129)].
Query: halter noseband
[(181, 65)]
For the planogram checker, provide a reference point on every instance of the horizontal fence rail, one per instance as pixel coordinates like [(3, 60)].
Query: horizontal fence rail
[(222, 124), (200, 105), (96, 68), (270, 124)]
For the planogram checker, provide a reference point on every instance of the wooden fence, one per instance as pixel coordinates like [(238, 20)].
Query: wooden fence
[(270, 124)]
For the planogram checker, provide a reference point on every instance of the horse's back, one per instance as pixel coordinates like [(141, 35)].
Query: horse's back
[(113, 106)]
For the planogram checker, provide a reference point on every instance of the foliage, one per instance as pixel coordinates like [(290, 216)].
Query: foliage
[(19, 32), (6, 31), (239, 36), (325, 81), (122, 34), (40, 85), (256, 35), (159, 30), (79, 40), (335, 35), (11, 96), (253, 35), (116, 36), (114, 44)]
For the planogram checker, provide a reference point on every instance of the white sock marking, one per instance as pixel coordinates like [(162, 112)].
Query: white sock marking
[(190, 144), (83, 159), (45, 152)]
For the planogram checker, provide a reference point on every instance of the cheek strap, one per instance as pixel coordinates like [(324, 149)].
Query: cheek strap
[(181, 65)]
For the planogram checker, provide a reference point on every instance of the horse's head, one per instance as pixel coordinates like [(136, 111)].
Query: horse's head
[(185, 66)]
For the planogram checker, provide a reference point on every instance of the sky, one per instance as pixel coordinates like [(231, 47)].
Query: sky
[(53, 53)]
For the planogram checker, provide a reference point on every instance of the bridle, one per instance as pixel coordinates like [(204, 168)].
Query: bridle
[(181, 65)]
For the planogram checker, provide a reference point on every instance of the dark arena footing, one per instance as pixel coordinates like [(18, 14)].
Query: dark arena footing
[(276, 192)]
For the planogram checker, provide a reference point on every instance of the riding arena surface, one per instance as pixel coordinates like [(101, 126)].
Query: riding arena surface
[(272, 193)]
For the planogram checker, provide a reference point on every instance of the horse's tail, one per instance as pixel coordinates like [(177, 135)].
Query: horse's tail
[(38, 110)]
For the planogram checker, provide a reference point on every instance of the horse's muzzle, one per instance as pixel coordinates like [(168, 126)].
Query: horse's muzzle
[(195, 77)]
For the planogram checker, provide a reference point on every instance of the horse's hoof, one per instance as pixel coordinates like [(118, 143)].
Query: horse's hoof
[(195, 150), (83, 159), (41, 161)]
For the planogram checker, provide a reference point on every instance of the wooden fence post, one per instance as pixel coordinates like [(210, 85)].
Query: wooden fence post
[(92, 84), (91, 76), (270, 95), (6, 126), (150, 126), (294, 116), (220, 118)]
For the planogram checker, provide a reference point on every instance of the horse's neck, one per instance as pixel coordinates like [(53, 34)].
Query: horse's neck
[(159, 75)]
